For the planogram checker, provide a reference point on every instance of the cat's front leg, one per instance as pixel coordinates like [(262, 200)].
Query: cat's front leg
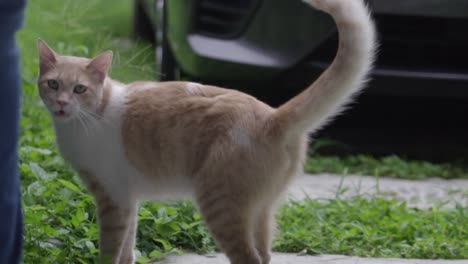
[(115, 225), (127, 256)]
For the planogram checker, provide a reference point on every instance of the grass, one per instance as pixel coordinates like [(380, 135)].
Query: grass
[(372, 228), (60, 220), (390, 166), (85, 29)]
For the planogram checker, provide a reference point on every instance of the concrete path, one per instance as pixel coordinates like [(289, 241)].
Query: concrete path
[(295, 259), (417, 193), (421, 194)]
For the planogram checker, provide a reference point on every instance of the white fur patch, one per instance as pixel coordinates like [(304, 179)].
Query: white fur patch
[(144, 86), (194, 89), (240, 137)]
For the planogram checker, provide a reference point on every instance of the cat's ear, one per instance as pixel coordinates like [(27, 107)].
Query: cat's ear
[(101, 64), (47, 57)]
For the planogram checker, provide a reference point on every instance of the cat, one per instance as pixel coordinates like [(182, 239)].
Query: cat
[(231, 153)]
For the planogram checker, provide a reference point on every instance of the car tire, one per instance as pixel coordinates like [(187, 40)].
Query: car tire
[(164, 57), (156, 33), (142, 27)]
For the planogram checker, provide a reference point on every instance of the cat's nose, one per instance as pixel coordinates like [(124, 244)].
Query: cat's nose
[(62, 103)]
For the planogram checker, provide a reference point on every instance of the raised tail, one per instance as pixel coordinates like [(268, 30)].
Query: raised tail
[(346, 76)]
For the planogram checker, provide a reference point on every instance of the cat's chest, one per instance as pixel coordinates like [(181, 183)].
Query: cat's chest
[(98, 151), (92, 148)]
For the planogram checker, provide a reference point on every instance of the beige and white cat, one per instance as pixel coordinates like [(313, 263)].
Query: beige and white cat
[(232, 153)]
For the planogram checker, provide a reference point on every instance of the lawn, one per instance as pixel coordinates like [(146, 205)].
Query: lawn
[(389, 166), (60, 221)]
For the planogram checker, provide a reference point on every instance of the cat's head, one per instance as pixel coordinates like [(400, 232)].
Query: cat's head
[(71, 86)]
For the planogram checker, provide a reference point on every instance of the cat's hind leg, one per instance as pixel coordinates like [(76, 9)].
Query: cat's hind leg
[(229, 217), (264, 230)]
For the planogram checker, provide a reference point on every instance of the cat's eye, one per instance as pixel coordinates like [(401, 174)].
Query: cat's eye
[(79, 89), (53, 84)]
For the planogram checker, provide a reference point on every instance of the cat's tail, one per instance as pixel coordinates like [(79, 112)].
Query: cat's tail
[(346, 76)]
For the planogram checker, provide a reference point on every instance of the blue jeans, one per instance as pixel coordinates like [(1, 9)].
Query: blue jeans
[(11, 228)]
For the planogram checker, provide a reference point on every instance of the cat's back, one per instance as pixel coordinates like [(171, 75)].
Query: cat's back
[(177, 92), (174, 104), (177, 123)]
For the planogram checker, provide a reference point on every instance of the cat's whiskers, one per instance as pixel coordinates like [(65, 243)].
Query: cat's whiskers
[(97, 118), (80, 118), (94, 121), (91, 121)]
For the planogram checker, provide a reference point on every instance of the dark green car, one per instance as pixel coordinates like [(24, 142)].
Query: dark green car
[(237, 43)]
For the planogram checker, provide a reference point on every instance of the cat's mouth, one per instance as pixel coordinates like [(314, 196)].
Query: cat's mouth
[(61, 114)]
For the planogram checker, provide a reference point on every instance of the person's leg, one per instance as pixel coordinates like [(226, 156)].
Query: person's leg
[(11, 16)]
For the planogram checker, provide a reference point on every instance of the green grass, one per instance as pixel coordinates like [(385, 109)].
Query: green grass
[(60, 220), (391, 166), (86, 28), (372, 228)]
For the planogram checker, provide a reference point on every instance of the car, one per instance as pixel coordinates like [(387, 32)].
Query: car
[(243, 42), (273, 49)]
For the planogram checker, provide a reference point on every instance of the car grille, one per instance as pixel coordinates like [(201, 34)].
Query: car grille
[(223, 18)]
